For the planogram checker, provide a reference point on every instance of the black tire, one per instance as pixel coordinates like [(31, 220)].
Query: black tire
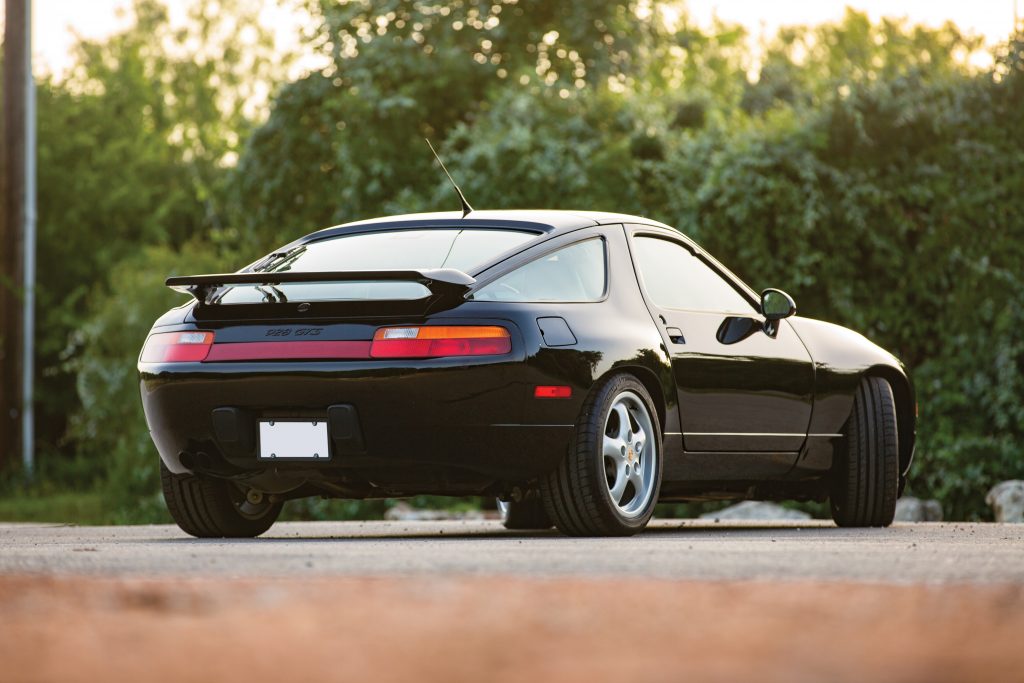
[(576, 494), (866, 480), (524, 515), (206, 507)]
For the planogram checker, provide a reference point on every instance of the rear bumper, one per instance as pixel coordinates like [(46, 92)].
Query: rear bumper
[(429, 426)]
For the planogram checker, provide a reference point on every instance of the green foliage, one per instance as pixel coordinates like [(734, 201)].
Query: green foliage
[(82, 508), (109, 426), (318, 509), (895, 210), (133, 144), (547, 151), (866, 169), (348, 142)]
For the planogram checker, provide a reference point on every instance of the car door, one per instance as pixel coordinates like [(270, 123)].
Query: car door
[(741, 388)]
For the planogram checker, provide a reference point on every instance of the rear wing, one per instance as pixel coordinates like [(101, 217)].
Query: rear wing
[(443, 283)]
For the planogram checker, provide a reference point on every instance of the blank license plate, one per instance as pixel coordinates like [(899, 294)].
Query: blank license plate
[(281, 440)]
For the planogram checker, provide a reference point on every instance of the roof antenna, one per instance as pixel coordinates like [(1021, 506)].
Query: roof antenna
[(466, 208)]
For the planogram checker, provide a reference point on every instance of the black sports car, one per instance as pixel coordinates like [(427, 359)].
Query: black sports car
[(579, 366)]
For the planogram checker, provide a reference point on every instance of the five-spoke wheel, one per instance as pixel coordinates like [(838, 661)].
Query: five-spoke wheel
[(628, 472)]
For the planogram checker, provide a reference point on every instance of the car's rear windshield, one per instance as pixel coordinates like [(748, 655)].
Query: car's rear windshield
[(459, 248)]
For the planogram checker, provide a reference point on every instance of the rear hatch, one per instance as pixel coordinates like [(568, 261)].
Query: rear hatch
[(329, 315), (342, 296), (328, 296)]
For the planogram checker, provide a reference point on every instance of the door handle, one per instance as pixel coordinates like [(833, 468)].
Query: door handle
[(676, 335)]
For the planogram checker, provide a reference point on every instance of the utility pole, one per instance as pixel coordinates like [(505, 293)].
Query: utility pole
[(18, 238)]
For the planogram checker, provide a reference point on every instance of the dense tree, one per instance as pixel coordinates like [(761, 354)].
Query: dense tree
[(347, 142), (132, 148), (896, 210)]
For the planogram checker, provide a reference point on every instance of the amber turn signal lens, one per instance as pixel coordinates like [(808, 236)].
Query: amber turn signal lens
[(438, 341)]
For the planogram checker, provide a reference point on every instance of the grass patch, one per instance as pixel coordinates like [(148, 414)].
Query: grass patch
[(70, 507)]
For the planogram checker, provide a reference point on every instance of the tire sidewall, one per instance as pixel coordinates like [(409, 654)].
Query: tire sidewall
[(203, 507), (864, 495)]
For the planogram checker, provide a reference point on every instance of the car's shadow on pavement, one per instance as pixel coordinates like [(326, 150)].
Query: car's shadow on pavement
[(375, 537), (687, 529)]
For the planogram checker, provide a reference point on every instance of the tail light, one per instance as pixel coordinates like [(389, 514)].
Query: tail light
[(436, 341), (177, 347)]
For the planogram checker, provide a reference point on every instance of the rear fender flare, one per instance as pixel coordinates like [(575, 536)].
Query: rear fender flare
[(662, 393)]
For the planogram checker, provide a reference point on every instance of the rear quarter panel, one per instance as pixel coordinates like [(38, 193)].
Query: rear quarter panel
[(613, 335)]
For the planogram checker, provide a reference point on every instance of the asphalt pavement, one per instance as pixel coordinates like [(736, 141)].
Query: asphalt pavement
[(670, 549)]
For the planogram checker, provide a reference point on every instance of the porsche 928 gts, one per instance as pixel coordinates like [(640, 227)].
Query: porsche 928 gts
[(580, 367)]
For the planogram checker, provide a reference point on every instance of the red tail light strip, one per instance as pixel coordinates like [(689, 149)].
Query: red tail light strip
[(440, 341), (388, 342), (289, 350), (177, 347)]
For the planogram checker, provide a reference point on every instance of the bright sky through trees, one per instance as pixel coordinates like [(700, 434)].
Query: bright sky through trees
[(57, 21)]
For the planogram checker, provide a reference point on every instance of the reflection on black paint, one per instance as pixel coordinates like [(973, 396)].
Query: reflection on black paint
[(573, 364), (656, 361), (733, 379)]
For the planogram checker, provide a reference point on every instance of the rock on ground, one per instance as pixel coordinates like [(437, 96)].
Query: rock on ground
[(1007, 501), (910, 509), (753, 509)]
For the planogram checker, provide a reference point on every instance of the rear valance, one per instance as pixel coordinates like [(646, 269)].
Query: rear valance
[(442, 282)]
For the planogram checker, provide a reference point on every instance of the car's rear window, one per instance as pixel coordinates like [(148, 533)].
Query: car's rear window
[(462, 249), (572, 274)]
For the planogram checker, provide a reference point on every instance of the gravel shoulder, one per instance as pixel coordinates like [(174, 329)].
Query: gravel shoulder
[(670, 549)]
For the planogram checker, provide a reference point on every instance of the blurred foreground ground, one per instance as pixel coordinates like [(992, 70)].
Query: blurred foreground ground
[(503, 629), (460, 601)]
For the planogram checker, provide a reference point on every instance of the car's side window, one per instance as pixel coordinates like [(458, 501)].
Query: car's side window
[(576, 273), (675, 278)]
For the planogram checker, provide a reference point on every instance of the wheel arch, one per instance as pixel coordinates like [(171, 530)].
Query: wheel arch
[(651, 382)]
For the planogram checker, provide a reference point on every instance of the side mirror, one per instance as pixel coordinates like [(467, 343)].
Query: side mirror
[(776, 305)]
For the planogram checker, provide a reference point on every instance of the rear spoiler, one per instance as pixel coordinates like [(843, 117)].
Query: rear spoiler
[(442, 282)]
